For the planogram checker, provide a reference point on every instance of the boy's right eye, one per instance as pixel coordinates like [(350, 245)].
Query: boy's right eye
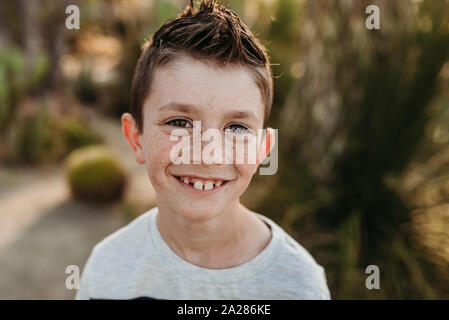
[(183, 123)]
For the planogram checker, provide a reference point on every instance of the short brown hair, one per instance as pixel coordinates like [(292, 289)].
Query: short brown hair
[(211, 33)]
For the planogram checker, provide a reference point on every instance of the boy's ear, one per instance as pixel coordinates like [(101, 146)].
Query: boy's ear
[(266, 145), (132, 135)]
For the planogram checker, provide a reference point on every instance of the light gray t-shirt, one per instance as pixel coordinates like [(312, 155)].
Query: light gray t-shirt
[(136, 262)]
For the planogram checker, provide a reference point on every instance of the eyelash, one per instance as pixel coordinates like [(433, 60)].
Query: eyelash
[(173, 121), (246, 130)]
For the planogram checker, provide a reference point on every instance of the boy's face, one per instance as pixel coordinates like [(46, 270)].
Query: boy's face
[(184, 91)]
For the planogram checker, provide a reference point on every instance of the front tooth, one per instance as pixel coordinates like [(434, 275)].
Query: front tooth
[(218, 183), (208, 186), (198, 185), (186, 180)]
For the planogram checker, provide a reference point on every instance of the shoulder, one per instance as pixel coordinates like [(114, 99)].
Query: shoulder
[(128, 237), (305, 277), (118, 249), (114, 256)]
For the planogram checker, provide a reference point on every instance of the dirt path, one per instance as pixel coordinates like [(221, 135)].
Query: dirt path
[(42, 230)]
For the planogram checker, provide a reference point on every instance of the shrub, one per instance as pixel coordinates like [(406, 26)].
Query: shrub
[(42, 138), (85, 88), (77, 135), (34, 140), (95, 174)]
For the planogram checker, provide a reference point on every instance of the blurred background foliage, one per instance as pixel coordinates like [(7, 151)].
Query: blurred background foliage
[(95, 174), (363, 119)]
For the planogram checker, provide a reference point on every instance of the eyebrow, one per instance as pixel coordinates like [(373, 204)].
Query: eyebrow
[(176, 106), (186, 107), (242, 115)]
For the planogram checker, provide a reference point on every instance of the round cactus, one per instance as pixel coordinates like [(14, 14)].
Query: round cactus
[(95, 174)]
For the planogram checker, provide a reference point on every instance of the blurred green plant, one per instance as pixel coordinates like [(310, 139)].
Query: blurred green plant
[(40, 138), (11, 82), (33, 141), (84, 87), (76, 134), (16, 81), (95, 174)]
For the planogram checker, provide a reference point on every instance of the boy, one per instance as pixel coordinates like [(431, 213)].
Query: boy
[(200, 242)]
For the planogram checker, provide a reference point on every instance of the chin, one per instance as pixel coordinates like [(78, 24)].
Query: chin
[(198, 212)]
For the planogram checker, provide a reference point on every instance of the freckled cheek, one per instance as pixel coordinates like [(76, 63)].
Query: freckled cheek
[(157, 146), (157, 152), (246, 171)]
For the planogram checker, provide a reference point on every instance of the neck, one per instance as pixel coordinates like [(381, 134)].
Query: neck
[(218, 242)]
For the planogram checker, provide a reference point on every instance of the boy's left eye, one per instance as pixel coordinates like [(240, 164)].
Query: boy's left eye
[(237, 128)]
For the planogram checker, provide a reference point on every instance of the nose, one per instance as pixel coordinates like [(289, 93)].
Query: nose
[(208, 145)]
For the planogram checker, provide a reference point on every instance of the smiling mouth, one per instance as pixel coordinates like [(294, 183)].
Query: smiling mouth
[(201, 184)]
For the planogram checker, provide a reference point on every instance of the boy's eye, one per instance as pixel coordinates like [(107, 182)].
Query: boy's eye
[(237, 128), (180, 123)]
